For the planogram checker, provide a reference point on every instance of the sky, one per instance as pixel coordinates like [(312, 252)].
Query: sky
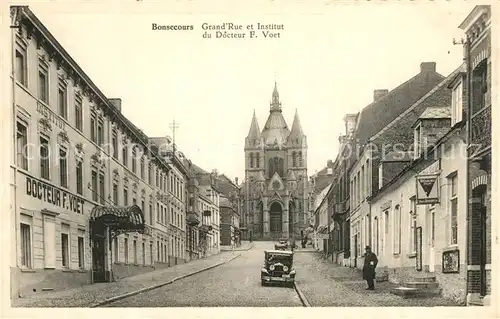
[(327, 62)]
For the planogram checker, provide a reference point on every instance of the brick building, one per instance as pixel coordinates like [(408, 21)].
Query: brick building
[(477, 111)]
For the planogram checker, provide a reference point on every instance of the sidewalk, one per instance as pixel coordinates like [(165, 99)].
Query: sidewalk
[(89, 295), (245, 245), (326, 284)]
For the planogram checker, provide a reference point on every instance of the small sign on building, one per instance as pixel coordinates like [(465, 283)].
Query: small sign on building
[(427, 189)]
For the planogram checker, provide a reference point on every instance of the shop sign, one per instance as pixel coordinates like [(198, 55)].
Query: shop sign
[(427, 189), (53, 195)]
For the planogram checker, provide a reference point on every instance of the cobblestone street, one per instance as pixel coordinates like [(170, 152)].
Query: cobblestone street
[(328, 285), (89, 295)]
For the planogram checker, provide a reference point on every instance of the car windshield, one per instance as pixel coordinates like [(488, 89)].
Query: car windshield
[(277, 258)]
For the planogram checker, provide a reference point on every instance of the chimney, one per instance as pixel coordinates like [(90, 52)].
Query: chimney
[(378, 94), (427, 67), (117, 103), (236, 181), (329, 163)]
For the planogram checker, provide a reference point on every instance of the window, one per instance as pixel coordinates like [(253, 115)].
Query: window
[(21, 66), (65, 249), (125, 196), (81, 253), (150, 173), (125, 155), (116, 249), (62, 99), (397, 230), (125, 249), (101, 189), (43, 82), (151, 214), (294, 159), (115, 193), (114, 142), (78, 113), (94, 186), (151, 253), (93, 126), (100, 132), (157, 212), (413, 243), (143, 253), (251, 160), (158, 250), (380, 175), (456, 104), (44, 158), (257, 160), (25, 245), (134, 160), (300, 158), (453, 182), (22, 146), (479, 87), (417, 135), (362, 188), (134, 200), (135, 251), (79, 177), (63, 167), (142, 167)]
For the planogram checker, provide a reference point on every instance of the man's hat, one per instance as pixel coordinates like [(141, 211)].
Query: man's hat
[(367, 247)]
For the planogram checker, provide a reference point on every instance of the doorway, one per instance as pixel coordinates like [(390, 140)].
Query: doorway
[(98, 259), (432, 236), (276, 218), (480, 215)]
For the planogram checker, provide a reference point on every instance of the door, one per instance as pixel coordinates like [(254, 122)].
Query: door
[(98, 261), (432, 236), (482, 265)]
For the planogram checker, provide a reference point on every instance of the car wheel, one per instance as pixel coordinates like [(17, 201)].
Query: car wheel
[(262, 282)]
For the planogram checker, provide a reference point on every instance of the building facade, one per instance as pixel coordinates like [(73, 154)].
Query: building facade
[(229, 222), (418, 210), (176, 180), (89, 191), (477, 112), (209, 205), (276, 190)]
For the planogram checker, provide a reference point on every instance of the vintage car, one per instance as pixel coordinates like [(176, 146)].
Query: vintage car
[(278, 267), (282, 244)]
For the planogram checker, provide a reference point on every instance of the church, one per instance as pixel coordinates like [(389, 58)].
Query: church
[(276, 181)]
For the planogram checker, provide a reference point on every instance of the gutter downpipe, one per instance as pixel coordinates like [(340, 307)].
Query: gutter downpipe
[(467, 130), (15, 13)]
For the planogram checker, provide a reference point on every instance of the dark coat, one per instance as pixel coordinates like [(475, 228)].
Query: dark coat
[(368, 268)]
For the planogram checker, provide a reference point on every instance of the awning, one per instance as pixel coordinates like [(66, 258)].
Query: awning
[(192, 219), (123, 219)]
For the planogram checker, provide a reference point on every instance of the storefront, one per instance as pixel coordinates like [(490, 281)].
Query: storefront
[(106, 224)]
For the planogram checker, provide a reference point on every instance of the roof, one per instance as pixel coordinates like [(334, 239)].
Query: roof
[(254, 132), (296, 132), (473, 15), (275, 129), (279, 252), (374, 117)]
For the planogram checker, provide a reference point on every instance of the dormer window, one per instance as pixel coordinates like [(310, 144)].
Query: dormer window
[(417, 136), (457, 104)]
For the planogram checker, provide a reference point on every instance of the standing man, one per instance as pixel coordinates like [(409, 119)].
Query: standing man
[(369, 266)]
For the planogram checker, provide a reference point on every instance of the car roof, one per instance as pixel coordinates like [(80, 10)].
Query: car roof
[(280, 252)]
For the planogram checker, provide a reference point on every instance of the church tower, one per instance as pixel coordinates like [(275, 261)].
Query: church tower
[(276, 176)]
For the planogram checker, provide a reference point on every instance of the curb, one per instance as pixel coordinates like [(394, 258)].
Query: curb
[(244, 249), (133, 293), (302, 297)]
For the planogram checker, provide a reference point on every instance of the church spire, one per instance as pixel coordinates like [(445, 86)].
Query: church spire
[(275, 102), (296, 133), (254, 132)]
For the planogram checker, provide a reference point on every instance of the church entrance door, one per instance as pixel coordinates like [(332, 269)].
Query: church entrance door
[(275, 219)]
